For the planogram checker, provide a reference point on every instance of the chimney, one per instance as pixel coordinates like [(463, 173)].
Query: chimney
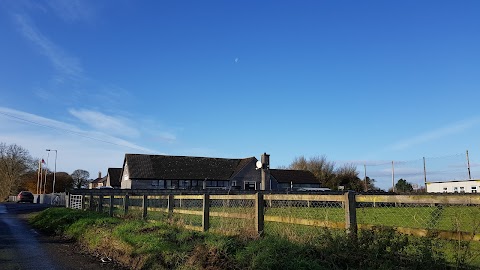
[(265, 184), (99, 174)]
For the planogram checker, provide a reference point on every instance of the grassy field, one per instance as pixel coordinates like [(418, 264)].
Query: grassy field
[(139, 244), (448, 218)]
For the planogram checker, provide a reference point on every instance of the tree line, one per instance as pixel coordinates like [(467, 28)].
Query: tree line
[(20, 171), (346, 175)]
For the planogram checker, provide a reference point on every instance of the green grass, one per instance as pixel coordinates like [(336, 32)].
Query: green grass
[(157, 245)]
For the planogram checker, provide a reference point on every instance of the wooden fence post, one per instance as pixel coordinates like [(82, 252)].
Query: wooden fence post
[(171, 204), (67, 200), (100, 203), (206, 212), (83, 201), (259, 209), (350, 213), (144, 206), (125, 204), (112, 201), (90, 203)]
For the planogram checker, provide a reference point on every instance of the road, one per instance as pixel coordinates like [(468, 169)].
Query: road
[(21, 247)]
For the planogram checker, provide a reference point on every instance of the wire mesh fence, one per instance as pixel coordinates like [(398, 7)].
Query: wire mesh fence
[(236, 213), (157, 208), (232, 214), (188, 210), (303, 217), (453, 220), (135, 207)]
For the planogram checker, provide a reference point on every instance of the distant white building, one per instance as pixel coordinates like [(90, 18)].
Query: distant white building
[(462, 186)]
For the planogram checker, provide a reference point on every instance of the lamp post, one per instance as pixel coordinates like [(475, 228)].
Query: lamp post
[(55, 169)]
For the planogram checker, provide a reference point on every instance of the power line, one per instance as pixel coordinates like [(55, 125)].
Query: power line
[(69, 131)]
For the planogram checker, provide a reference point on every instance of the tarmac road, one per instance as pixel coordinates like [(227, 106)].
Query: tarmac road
[(21, 247)]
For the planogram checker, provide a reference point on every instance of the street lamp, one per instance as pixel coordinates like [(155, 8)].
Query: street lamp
[(55, 170)]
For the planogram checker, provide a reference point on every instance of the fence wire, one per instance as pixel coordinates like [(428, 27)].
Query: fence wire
[(188, 210), (302, 218), (230, 214), (157, 208)]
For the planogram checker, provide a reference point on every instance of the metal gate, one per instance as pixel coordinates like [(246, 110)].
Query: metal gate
[(76, 201)]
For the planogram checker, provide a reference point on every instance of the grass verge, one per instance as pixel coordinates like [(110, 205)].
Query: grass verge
[(145, 245)]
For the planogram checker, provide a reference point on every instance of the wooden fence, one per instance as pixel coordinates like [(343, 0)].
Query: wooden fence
[(420, 215)]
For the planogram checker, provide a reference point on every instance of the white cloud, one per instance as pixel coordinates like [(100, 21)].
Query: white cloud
[(21, 124), (455, 128), (106, 123), (67, 66), (72, 10), (93, 151), (167, 137)]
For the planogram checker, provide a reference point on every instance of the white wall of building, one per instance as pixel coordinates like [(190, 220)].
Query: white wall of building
[(467, 186)]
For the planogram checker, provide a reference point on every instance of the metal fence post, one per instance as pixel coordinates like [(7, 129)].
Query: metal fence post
[(144, 206), (206, 212), (112, 200), (125, 204), (171, 204), (351, 213), (259, 209)]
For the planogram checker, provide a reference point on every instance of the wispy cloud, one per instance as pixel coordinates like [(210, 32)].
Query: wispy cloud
[(65, 64), (455, 128), (166, 137), (31, 123), (105, 123), (72, 10)]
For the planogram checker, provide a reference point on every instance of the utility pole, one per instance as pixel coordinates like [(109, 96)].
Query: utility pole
[(424, 173), (468, 166), (365, 177), (55, 170), (393, 177)]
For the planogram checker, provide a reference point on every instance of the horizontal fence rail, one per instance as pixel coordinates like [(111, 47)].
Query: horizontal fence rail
[(443, 216)]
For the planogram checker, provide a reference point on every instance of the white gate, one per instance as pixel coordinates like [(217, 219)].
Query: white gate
[(76, 202)]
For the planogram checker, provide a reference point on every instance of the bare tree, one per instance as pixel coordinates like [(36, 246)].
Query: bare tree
[(323, 169), (15, 161), (80, 178)]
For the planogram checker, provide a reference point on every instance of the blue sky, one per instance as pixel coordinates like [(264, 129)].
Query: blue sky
[(363, 82)]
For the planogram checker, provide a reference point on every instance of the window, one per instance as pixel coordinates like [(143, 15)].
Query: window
[(462, 189), (455, 189), (234, 183), (445, 190), (161, 184), (474, 189), (154, 182)]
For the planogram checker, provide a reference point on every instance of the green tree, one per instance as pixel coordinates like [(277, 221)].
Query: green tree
[(80, 178), (402, 186), (15, 161), (347, 176)]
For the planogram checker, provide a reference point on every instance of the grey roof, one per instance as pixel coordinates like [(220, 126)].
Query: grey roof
[(183, 167), (295, 176), (115, 174), (99, 179)]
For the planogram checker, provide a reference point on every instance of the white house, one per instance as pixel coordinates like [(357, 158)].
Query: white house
[(462, 186)]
